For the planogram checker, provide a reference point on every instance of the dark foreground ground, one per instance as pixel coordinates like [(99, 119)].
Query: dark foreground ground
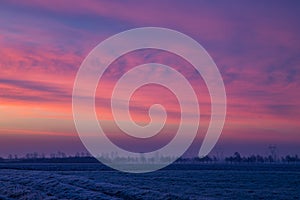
[(201, 181)]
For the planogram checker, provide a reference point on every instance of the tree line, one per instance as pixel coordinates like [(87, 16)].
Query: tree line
[(86, 157)]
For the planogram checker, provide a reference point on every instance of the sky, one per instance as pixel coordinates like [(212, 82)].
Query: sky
[(255, 45)]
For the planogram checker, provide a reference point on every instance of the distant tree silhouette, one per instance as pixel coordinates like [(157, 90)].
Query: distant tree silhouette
[(235, 158), (290, 158), (109, 157), (10, 157)]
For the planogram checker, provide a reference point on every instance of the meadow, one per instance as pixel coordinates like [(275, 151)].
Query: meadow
[(178, 181)]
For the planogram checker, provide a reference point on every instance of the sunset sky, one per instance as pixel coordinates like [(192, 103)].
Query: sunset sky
[(255, 44)]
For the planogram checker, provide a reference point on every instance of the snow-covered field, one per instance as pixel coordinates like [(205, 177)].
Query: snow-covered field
[(92, 181)]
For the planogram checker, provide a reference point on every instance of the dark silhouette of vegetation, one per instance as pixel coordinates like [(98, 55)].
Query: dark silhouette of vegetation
[(84, 157), (237, 158)]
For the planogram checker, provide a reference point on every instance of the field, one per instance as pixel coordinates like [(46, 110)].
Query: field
[(93, 181)]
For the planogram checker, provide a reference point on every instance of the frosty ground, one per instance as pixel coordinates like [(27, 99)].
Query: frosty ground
[(93, 181)]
